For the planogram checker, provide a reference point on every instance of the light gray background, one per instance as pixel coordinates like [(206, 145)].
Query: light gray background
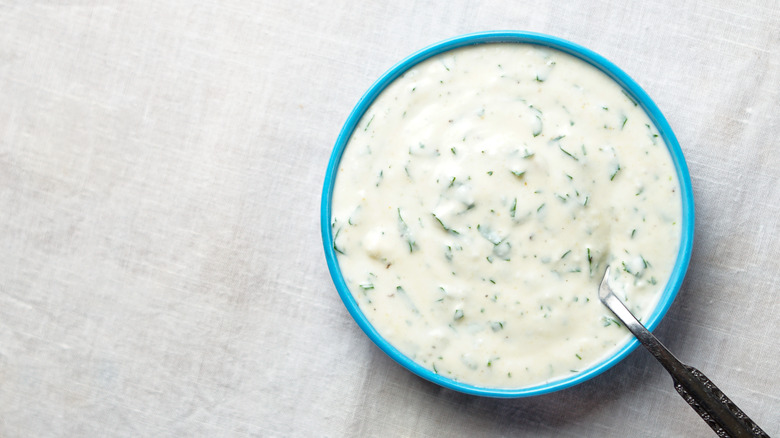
[(161, 267)]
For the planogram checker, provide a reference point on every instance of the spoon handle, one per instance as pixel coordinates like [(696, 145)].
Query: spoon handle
[(722, 415), (742, 422)]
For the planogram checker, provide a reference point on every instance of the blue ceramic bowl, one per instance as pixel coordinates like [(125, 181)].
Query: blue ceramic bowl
[(631, 87)]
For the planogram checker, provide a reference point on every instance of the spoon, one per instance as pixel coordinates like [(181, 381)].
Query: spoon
[(722, 415)]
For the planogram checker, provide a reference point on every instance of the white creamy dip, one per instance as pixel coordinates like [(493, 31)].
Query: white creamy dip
[(480, 199)]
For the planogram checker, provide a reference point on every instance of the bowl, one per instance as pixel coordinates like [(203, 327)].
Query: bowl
[(631, 88)]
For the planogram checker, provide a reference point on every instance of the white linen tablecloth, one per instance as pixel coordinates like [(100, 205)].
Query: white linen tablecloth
[(161, 267)]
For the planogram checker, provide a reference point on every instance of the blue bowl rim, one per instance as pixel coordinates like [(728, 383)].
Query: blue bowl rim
[(633, 90)]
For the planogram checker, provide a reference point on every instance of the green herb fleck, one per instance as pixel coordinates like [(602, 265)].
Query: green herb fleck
[(565, 254), (578, 356), (369, 123), (540, 207), (458, 315), (514, 172), (612, 177), (336, 248), (590, 262), (629, 97), (567, 153), (446, 228), (454, 152), (513, 210), (405, 232), (537, 129)]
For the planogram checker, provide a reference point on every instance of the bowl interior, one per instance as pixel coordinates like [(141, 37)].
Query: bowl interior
[(631, 88)]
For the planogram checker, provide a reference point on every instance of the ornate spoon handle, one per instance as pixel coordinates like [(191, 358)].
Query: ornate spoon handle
[(723, 416)]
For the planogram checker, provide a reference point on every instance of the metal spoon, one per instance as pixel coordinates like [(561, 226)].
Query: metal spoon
[(723, 416)]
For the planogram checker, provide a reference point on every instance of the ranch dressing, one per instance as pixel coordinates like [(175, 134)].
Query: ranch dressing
[(480, 199)]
